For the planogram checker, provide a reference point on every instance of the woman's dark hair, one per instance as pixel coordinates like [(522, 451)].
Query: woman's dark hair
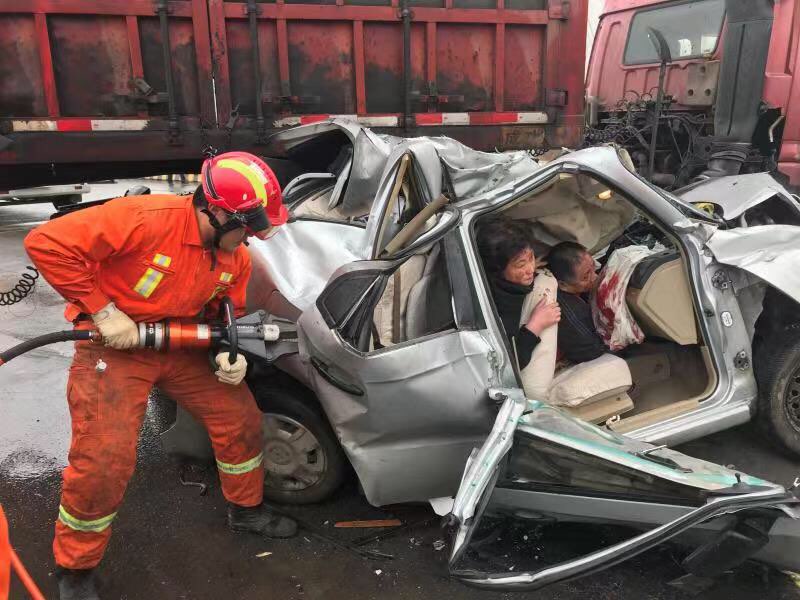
[(563, 259), (499, 240)]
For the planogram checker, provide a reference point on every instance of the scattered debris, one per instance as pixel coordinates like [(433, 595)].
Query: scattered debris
[(263, 554), (795, 577), (350, 546), (692, 585), (378, 571), (370, 523), (438, 545), (187, 482), (306, 539), (375, 537)]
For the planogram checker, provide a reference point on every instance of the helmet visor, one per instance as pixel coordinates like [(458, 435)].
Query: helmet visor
[(257, 223)]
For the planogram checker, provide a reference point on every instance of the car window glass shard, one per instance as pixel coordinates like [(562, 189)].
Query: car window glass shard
[(564, 469), (550, 423)]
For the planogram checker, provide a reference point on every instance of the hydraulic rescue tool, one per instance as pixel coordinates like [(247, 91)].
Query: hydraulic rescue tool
[(249, 333)]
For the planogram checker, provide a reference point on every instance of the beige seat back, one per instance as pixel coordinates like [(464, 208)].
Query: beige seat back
[(390, 312)]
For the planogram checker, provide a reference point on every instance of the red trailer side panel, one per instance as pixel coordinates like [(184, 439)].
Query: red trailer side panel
[(88, 90)]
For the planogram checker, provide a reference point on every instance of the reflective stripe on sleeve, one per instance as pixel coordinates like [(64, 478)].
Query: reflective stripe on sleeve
[(94, 526), (226, 277), (149, 282), (241, 468)]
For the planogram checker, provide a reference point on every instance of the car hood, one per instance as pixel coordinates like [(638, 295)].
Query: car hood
[(770, 252), (736, 194)]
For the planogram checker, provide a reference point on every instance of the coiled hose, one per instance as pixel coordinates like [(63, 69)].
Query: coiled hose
[(20, 291), (44, 340)]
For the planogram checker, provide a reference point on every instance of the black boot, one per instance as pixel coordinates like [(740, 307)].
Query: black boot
[(259, 519), (76, 584)]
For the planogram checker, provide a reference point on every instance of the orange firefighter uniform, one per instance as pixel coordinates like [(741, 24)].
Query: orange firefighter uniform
[(145, 254)]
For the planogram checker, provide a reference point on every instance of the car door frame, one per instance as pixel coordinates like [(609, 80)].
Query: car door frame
[(732, 401), (408, 454), (719, 492)]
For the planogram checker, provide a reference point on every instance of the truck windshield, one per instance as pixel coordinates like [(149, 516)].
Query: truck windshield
[(691, 29)]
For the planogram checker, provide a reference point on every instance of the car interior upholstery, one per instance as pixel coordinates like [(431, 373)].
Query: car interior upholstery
[(671, 370)]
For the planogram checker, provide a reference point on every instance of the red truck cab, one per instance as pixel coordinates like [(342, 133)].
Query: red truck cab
[(729, 87)]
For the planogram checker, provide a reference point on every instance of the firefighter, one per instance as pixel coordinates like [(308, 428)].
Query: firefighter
[(149, 258)]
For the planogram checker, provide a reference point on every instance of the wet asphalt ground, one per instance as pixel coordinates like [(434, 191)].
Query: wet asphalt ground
[(171, 542)]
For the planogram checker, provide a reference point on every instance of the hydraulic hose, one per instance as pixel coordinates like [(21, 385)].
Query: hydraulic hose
[(44, 340)]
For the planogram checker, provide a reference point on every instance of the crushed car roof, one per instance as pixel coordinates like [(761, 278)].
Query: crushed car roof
[(441, 162)]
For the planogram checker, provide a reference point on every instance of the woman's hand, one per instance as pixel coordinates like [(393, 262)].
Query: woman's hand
[(544, 314)]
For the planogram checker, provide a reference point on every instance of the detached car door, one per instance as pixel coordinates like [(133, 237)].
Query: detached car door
[(540, 463), (401, 366)]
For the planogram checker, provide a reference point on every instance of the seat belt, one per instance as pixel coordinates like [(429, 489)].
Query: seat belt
[(396, 308)]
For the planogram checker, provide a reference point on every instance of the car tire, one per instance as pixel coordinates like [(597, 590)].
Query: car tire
[(303, 460), (778, 376)]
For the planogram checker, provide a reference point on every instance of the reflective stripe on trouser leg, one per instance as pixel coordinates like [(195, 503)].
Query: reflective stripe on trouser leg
[(106, 409), (241, 468), (233, 421), (95, 525)]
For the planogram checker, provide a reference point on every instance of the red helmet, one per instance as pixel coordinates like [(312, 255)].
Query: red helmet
[(242, 184)]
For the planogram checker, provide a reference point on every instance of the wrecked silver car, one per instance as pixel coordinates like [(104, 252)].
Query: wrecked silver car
[(401, 369)]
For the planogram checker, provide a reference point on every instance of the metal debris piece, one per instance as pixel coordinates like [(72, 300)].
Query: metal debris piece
[(369, 523), (182, 477), (263, 554), (439, 545)]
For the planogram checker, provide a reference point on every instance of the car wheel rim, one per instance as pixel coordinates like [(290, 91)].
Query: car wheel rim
[(293, 457), (791, 402)]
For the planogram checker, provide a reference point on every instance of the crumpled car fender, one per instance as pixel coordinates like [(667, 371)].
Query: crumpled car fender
[(770, 252)]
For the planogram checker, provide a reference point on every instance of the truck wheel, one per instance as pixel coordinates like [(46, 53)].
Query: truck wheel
[(303, 461), (778, 376)]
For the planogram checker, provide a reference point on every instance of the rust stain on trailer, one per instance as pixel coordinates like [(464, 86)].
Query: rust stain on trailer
[(466, 57), (524, 48), (91, 63), (21, 92), (181, 42), (383, 50), (240, 65), (321, 66)]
